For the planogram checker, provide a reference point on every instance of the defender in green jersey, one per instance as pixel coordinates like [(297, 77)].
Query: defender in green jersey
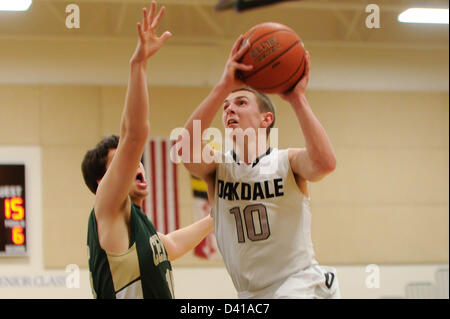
[(143, 271), (127, 257)]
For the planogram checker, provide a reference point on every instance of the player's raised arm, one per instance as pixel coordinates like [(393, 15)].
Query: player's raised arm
[(180, 241), (212, 103), (112, 192), (317, 159)]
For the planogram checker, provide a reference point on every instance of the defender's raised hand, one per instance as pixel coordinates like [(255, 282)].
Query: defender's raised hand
[(149, 43)]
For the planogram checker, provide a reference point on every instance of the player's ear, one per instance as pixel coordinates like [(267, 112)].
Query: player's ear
[(268, 119)]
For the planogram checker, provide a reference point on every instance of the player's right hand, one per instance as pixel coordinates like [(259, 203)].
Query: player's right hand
[(230, 77), (149, 43)]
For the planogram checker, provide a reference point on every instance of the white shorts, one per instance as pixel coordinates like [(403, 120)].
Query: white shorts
[(314, 282)]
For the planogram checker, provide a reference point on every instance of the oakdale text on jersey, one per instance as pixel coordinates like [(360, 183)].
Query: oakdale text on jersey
[(231, 191)]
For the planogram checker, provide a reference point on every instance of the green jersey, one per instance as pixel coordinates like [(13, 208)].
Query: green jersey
[(143, 271)]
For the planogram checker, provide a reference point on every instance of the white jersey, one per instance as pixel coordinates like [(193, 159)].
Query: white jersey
[(263, 230)]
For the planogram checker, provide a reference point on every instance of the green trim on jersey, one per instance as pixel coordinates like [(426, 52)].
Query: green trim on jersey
[(143, 271)]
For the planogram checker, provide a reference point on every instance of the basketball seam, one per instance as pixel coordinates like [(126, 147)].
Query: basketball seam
[(265, 65), (272, 87), (263, 35)]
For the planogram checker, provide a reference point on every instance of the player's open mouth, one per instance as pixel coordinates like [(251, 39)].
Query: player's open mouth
[(140, 180), (232, 122)]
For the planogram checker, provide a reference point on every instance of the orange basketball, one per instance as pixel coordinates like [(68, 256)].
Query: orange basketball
[(277, 55)]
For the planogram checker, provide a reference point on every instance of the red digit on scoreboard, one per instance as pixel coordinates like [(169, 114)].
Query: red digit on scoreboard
[(14, 208)]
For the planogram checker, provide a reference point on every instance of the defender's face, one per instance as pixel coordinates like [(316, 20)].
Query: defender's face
[(240, 110), (139, 187)]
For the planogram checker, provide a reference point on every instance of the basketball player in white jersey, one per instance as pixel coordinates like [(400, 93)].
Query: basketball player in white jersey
[(262, 220)]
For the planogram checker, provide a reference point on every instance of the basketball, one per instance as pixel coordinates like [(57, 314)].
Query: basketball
[(277, 55)]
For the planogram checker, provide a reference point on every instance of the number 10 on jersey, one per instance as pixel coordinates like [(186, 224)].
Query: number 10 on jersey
[(256, 222)]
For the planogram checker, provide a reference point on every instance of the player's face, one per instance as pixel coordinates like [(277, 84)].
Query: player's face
[(240, 110), (139, 187)]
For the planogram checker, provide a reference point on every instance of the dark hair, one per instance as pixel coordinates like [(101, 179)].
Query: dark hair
[(264, 103), (94, 161)]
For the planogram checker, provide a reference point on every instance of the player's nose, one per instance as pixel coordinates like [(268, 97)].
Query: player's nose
[(231, 109)]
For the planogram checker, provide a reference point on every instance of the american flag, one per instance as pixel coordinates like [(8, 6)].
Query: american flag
[(161, 204)]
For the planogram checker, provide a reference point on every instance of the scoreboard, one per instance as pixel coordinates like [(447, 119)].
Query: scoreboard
[(12, 210)]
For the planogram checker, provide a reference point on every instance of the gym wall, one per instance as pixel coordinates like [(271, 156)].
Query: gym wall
[(386, 202)]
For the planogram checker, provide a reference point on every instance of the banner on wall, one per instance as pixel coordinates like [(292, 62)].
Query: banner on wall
[(161, 203), (207, 249)]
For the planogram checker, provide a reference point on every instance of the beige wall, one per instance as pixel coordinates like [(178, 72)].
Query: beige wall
[(387, 201), (97, 61)]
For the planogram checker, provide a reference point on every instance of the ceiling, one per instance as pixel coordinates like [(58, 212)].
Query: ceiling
[(195, 22)]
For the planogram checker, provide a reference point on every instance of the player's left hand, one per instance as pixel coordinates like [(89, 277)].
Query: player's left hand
[(149, 43), (300, 88)]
